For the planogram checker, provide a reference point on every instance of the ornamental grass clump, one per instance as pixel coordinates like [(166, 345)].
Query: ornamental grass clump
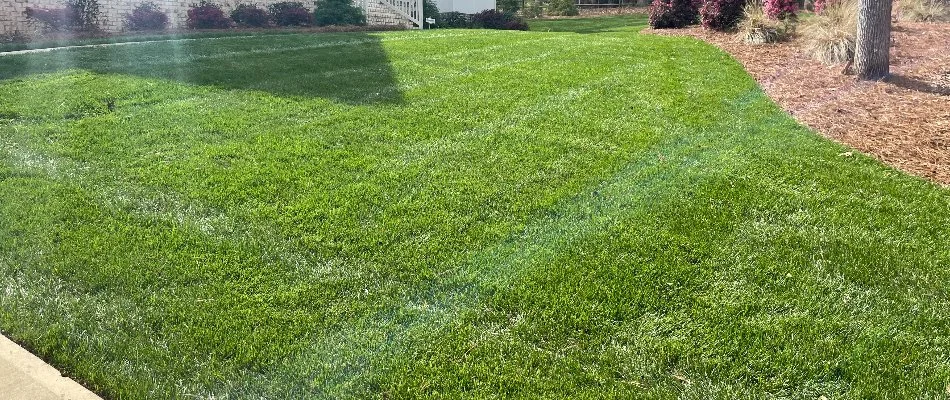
[(666, 14), (829, 36), (923, 10), (757, 28)]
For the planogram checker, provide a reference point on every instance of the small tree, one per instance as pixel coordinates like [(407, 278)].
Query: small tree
[(430, 10), (873, 41)]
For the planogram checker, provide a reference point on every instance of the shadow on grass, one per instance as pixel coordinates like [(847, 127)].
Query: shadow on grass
[(353, 68), (587, 25)]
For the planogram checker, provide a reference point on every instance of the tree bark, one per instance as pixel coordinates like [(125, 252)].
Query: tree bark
[(873, 43)]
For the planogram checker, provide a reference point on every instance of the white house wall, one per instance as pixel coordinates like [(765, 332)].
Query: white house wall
[(465, 6)]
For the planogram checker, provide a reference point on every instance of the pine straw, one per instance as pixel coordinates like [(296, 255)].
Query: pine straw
[(904, 122)]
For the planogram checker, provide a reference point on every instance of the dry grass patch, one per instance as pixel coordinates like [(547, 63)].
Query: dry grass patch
[(829, 37), (922, 11)]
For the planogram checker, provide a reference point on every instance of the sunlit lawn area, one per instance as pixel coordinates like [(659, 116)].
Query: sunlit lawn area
[(575, 211)]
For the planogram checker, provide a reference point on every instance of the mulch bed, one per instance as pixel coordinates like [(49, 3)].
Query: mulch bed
[(903, 121)]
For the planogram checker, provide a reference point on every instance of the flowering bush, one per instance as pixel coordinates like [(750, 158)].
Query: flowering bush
[(146, 17), (781, 9), (721, 15), (249, 15), (820, 5), (207, 15), (673, 13), (290, 13), (493, 19)]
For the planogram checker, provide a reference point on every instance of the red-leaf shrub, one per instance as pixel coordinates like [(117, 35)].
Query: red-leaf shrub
[(146, 17), (77, 16), (205, 15), (721, 15), (494, 19), (290, 13), (780, 9), (53, 19), (820, 5), (249, 15), (673, 13)]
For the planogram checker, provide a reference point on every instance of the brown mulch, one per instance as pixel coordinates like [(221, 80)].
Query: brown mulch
[(903, 121)]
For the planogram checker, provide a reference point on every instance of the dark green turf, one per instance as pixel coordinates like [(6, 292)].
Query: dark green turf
[(585, 212)]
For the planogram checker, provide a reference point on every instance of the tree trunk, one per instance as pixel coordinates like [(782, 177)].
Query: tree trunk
[(873, 43)]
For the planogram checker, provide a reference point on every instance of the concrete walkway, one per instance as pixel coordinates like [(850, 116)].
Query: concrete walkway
[(24, 376)]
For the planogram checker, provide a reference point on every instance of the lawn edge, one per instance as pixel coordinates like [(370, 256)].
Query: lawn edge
[(33, 378)]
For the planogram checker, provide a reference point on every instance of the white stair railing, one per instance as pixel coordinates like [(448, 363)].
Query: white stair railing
[(411, 10)]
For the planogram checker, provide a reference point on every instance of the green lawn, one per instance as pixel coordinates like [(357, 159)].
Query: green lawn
[(577, 211)]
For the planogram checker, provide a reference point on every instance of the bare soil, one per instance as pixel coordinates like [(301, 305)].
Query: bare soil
[(904, 121)]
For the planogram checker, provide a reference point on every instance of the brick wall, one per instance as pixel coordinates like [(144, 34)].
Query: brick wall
[(114, 11)]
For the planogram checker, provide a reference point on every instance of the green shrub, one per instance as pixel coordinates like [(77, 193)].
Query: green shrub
[(338, 12), (533, 8), (87, 14), (561, 7), (455, 19), (508, 6), (430, 10)]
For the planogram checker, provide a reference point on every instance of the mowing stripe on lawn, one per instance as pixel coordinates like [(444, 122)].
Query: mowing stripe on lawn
[(350, 356)]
